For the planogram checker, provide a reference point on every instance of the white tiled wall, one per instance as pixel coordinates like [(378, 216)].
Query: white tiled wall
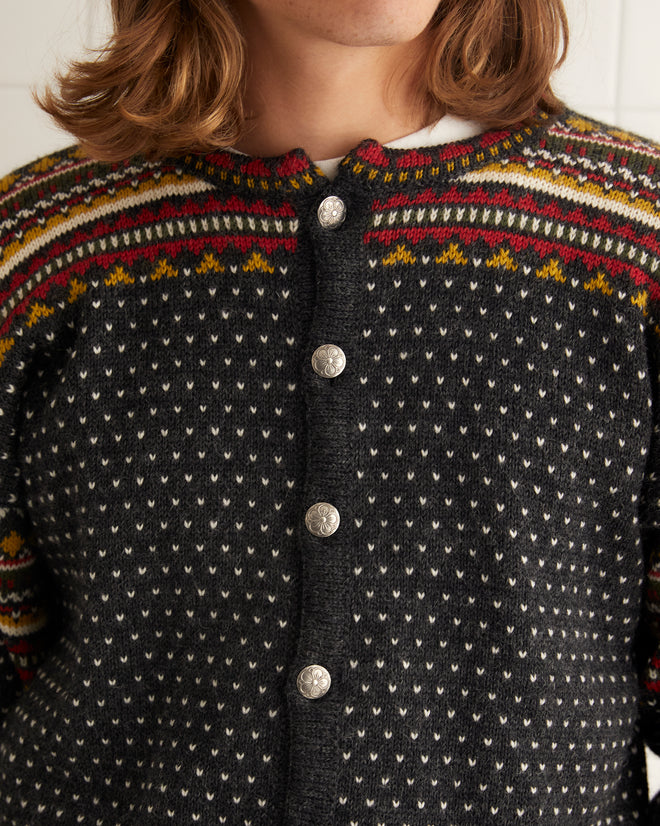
[(611, 74), (612, 69)]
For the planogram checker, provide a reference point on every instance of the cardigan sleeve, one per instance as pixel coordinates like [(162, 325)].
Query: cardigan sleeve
[(24, 592), (23, 604), (651, 636), (650, 524)]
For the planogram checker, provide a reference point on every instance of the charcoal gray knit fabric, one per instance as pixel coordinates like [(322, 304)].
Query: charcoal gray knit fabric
[(488, 449)]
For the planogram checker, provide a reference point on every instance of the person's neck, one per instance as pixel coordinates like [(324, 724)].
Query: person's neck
[(326, 98)]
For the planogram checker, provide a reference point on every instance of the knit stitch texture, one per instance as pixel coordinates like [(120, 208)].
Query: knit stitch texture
[(488, 609)]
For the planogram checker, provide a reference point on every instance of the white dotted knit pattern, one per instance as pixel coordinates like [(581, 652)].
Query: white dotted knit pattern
[(171, 514), (397, 585), (503, 433)]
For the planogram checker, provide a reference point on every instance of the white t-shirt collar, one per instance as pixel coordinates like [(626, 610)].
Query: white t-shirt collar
[(448, 129)]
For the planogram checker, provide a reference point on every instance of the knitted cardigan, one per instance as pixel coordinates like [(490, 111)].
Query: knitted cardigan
[(488, 606)]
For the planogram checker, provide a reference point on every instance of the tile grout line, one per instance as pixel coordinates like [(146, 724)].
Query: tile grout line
[(90, 13), (618, 94)]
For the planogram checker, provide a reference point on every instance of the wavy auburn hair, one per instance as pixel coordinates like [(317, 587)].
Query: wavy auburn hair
[(170, 79)]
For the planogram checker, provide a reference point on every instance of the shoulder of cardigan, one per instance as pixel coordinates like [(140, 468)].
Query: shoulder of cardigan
[(386, 169), (376, 165), (382, 170)]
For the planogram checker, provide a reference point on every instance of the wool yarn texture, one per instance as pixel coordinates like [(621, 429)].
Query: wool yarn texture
[(345, 516)]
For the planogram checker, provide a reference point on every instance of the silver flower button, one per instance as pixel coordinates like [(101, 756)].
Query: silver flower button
[(331, 212), (328, 361), (313, 682), (322, 519)]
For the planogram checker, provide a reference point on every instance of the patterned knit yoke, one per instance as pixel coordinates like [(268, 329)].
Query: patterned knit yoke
[(332, 502)]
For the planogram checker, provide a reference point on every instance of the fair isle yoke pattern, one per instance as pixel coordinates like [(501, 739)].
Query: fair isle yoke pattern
[(484, 610)]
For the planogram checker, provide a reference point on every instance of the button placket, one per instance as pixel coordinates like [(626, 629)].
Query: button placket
[(328, 361), (315, 707)]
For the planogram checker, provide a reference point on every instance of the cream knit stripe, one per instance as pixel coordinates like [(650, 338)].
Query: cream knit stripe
[(567, 189), (601, 168), (37, 175), (24, 625), (156, 232), (92, 214), (644, 149), (17, 597), (516, 221), (89, 187)]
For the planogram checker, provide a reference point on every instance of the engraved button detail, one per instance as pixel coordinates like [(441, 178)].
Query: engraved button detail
[(313, 682), (331, 212), (328, 361), (322, 519)]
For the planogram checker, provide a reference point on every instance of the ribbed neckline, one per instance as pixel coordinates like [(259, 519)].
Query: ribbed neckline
[(379, 167)]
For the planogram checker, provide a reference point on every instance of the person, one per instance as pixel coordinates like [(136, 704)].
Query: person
[(329, 416)]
